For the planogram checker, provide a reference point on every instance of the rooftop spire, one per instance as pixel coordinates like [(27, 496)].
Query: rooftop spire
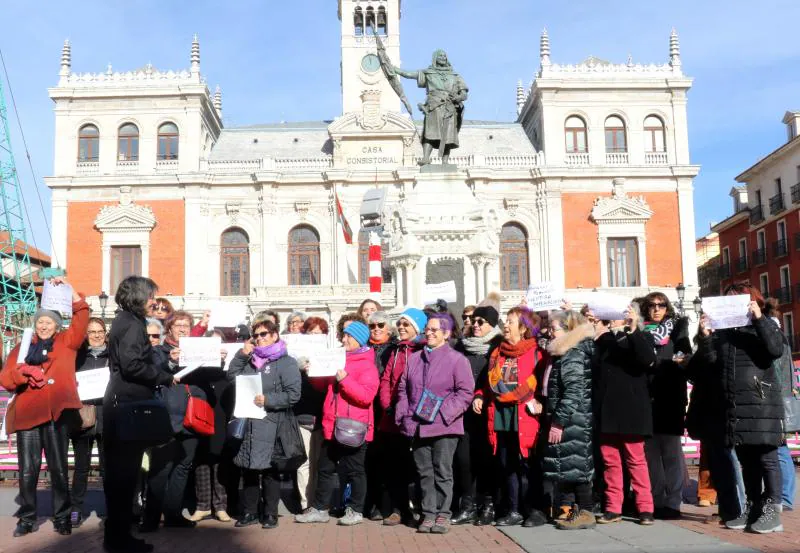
[(66, 60), (674, 49), (218, 101), (520, 97), (195, 70), (544, 49)]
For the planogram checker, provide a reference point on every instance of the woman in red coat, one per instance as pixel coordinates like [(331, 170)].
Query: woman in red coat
[(512, 411), (43, 409)]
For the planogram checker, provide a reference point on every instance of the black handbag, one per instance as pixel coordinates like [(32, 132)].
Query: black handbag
[(236, 429), (289, 452), (146, 422)]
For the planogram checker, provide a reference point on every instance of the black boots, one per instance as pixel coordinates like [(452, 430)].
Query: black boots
[(467, 514), (486, 516)]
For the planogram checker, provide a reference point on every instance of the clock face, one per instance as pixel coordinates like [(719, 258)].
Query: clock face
[(370, 63)]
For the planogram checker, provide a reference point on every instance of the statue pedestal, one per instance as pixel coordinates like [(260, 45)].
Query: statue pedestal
[(442, 168)]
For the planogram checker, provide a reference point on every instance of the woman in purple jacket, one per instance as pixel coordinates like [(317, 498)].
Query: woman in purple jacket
[(433, 394)]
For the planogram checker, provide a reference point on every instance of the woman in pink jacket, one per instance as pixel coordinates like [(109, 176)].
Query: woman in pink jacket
[(347, 406)]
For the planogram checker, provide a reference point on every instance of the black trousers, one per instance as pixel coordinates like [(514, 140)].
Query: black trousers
[(261, 484), (82, 446), (581, 492), (350, 460), (473, 464), (170, 466), (397, 472), (120, 479), (514, 470), (723, 474), (760, 464), (53, 437)]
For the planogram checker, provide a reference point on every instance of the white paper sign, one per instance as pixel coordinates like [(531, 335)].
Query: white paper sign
[(57, 298), (326, 363), (3, 434), (227, 314), (92, 384), (200, 352), (441, 291), (247, 388), (305, 345), (606, 306), (24, 345), (232, 350), (543, 296), (727, 311)]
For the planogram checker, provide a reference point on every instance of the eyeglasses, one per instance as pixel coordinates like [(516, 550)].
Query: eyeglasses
[(432, 330), (262, 334), (466, 317), (96, 332), (478, 321), (181, 325), (295, 322), (155, 336), (658, 306), (403, 324), (373, 326), (164, 308)]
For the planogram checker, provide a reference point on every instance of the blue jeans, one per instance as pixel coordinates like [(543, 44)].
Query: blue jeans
[(737, 468), (788, 482)]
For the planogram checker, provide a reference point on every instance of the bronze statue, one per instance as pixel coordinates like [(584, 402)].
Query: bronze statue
[(444, 105)]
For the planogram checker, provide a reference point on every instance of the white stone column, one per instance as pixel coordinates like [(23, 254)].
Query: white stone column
[(105, 282), (552, 233), (58, 218), (146, 259), (686, 215), (399, 284)]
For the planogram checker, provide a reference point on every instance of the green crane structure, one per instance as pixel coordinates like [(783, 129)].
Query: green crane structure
[(17, 292)]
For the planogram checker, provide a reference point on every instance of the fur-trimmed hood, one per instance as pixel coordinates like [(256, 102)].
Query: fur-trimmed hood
[(571, 339)]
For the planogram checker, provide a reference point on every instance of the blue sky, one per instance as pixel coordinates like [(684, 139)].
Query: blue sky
[(280, 61)]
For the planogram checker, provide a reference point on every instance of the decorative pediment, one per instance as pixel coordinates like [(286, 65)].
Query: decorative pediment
[(125, 218), (371, 123), (621, 208)]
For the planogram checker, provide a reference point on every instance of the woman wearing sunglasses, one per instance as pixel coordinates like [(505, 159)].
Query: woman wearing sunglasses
[(663, 449), (162, 310)]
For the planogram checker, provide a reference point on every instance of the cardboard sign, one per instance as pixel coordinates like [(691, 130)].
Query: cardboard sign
[(440, 291), (57, 298), (92, 384), (727, 311), (543, 296)]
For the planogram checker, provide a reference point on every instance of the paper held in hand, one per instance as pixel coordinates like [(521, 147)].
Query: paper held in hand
[(326, 363), (232, 350), (24, 345), (57, 298), (92, 384), (544, 296), (247, 388), (440, 291), (199, 352), (305, 345), (605, 306), (227, 314), (727, 311)]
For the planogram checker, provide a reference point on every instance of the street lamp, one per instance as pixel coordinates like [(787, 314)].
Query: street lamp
[(103, 297), (680, 289), (698, 305)]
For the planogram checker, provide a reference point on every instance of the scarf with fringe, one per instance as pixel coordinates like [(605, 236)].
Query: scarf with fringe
[(526, 388)]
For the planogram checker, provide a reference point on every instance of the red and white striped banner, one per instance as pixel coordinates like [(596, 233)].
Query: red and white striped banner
[(375, 272)]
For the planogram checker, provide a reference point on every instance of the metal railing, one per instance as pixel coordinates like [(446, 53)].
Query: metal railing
[(756, 214), (725, 270), (780, 248), (795, 190), (783, 295), (776, 204), (741, 265), (759, 257)]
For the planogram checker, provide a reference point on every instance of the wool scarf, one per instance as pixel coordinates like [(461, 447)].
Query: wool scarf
[(660, 331), (37, 353), (264, 355), (526, 388), (373, 342), (480, 345)]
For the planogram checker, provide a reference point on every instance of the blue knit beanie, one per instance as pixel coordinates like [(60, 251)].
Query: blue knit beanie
[(416, 317), (359, 331)]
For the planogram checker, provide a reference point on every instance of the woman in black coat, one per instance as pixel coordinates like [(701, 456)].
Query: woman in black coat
[(743, 407), (134, 377)]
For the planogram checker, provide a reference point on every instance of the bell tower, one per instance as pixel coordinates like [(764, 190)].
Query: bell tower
[(361, 20)]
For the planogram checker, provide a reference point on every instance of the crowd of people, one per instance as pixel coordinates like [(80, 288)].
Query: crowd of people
[(529, 419)]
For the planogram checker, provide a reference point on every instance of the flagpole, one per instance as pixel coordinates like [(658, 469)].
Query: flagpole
[(335, 236)]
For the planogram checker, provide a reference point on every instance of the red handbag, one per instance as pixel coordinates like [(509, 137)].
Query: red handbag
[(199, 416)]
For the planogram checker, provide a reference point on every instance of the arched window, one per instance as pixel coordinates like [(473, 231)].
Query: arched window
[(128, 143), (303, 256), (382, 21), (167, 142), (615, 135), (358, 21), (234, 256), (88, 143), (654, 134), (575, 132), (513, 257), (369, 22)]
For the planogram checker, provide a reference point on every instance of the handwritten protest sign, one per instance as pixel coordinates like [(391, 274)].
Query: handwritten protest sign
[(227, 314), (57, 298), (604, 305), (247, 388), (442, 290), (92, 384), (544, 296), (198, 352), (305, 345), (727, 311), (326, 362)]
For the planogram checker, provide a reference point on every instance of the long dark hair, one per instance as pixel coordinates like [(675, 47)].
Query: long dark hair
[(133, 294), (653, 297)]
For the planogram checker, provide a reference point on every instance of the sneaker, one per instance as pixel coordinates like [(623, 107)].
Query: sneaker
[(24, 528), (646, 519), (513, 518), (375, 515), (740, 522), (441, 525), (350, 518), (270, 522), (312, 515), (393, 520), (578, 519), (75, 519), (426, 526), (769, 521), (609, 518), (535, 518)]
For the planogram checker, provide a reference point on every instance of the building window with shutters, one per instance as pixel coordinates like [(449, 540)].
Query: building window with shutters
[(235, 263), (125, 261), (623, 262), (513, 257), (304, 264)]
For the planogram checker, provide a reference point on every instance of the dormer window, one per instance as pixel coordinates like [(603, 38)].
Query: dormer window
[(358, 21)]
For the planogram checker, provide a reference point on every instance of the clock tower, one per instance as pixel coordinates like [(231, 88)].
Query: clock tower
[(361, 70)]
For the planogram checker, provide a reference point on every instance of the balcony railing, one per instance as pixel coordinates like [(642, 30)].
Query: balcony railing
[(725, 271), (741, 264), (87, 168), (783, 295), (656, 158), (756, 214), (127, 167), (617, 158), (166, 165), (780, 248), (796, 193), (759, 257), (776, 204), (576, 159)]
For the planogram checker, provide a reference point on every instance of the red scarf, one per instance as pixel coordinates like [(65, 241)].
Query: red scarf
[(525, 388), (376, 343)]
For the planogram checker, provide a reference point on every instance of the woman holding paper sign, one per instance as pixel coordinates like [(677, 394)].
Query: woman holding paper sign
[(44, 407), (744, 409), (265, 355)]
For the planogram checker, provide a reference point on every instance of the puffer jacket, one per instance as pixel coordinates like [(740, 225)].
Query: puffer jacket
[(736, 398), (390, 379), (356, 392), (280, 382), (569, 404)]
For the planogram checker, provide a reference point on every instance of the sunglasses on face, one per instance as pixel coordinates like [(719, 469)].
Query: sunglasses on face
[(466, 317), (403, 324), (432, 330), (161, 307), (479, 321), (262, 334), (658, 306), (96, 332), (155, 336), (373, 326)]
